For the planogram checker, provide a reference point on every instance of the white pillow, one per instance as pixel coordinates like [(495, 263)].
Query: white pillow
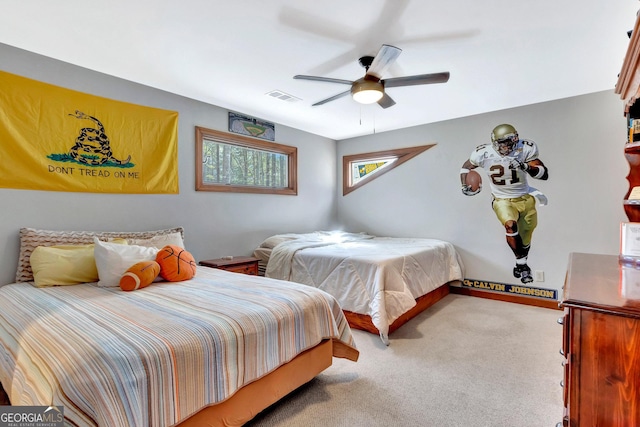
[(113, 260), (273, 241)]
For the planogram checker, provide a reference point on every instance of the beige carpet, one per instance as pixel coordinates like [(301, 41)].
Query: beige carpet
[(465, 362)]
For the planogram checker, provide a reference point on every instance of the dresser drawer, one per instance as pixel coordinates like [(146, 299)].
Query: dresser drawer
[(250, 268)]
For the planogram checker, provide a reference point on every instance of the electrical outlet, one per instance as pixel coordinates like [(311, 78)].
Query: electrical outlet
[(539, 276)]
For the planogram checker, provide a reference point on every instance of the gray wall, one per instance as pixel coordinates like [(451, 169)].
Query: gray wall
[(216, 224), (581, 141)]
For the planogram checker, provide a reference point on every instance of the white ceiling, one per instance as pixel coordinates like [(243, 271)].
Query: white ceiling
[(500, 53)]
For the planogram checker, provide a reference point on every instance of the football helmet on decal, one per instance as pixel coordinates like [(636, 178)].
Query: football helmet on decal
[(503, 138)]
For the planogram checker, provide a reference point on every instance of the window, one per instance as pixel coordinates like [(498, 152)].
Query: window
[(358, 169), (237, 163)]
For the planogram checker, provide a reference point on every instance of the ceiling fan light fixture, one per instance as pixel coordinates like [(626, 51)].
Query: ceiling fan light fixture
[(367, 91), (371, 88)]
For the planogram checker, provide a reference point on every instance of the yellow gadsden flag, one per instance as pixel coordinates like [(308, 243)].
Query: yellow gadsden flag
[(58, 139)]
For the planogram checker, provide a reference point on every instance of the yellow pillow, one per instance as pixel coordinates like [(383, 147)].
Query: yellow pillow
[(63, 265)]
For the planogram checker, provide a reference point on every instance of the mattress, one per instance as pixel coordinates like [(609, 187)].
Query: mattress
[(157, 355)]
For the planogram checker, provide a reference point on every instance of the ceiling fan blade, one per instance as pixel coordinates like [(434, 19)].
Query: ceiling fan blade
[(333, 98), (420, 79), (323, 79), (440, 37), (386, 56), (386, 101)]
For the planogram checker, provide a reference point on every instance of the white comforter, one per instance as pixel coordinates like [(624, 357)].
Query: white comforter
[(377, 276)]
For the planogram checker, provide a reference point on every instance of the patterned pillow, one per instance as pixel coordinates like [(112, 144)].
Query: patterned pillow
[(160, 241), (30, 238)]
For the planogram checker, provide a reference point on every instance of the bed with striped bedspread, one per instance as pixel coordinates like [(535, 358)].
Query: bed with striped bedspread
[(157, 355)]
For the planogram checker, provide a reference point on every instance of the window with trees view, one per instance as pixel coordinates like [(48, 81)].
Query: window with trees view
[(238, 163)]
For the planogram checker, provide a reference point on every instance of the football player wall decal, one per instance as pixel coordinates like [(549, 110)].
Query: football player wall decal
[(508, 162)]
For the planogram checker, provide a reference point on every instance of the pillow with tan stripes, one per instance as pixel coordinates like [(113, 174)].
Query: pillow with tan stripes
[(30, 238)]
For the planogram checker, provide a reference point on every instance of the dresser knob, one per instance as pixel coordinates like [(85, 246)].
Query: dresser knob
[(562, 352), (559, 424), (561, 320), (562, 383)]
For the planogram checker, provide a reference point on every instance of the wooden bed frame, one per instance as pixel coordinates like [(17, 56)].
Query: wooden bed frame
[(253, 398), (363, 321), (247, 402)]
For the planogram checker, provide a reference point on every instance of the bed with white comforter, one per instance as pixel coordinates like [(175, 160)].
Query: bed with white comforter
[(378, 276)]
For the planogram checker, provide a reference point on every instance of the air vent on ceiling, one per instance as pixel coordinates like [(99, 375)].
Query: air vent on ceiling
[(283, 96)]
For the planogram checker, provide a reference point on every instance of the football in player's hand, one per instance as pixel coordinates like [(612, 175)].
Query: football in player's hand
[(473, 180)]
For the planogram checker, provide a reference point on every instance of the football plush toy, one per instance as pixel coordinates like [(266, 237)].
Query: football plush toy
[(176, 264), (473, 180), (140, 275)]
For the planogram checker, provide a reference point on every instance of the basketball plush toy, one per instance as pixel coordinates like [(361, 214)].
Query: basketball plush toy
[(139, 275), (176, 264)]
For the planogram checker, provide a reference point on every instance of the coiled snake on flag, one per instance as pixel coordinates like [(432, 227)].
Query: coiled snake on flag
[(92, 146)]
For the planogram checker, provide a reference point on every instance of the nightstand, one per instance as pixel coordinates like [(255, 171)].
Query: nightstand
[(238, 264)]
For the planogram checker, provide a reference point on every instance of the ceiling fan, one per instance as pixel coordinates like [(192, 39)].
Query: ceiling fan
[(371, 87)]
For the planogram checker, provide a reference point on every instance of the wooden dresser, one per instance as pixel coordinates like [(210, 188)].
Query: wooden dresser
[(601, 342)]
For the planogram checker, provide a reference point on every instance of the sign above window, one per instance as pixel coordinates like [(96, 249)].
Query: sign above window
[(367, 168), (251, 126)]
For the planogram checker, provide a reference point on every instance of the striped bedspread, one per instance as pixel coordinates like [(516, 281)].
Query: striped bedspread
[(155, 356)]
